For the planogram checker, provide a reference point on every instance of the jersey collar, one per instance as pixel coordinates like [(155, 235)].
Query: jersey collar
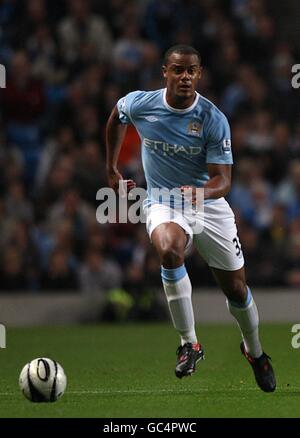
[(177, 110)]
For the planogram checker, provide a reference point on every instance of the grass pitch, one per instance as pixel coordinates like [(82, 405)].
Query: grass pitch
[(128, 371)]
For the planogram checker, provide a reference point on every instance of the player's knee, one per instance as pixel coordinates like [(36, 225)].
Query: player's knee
[(171, 255)]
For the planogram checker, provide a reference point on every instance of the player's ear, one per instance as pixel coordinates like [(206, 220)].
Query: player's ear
[(164, 70), (200, 72)]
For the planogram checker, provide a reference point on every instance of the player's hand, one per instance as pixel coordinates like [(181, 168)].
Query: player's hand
[(118, 184), (114, 177), (190, 194)]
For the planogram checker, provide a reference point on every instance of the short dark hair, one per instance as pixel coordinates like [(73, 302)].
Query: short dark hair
[(181, 49)]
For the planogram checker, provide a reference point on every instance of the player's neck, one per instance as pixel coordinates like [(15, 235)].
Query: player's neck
[(180, 102)]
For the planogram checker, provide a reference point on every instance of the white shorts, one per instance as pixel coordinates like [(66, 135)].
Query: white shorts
[(217, 241)]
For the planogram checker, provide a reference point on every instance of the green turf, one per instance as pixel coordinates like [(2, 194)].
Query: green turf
[(127, 371)]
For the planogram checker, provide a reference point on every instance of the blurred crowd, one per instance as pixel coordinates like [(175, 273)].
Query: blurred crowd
[(67, 64)]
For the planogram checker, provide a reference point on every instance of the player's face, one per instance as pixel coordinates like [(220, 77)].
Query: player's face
[(182, 74)]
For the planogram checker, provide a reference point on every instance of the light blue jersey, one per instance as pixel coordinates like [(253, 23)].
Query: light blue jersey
[(177, 144)]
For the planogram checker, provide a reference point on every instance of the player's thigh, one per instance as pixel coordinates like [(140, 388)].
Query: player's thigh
[(167, 227), (218, 243)]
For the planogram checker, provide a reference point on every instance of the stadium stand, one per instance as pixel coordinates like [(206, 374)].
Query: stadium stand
[(67, 64)]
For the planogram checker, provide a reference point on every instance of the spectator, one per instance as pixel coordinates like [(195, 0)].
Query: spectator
[(72, 207), (288, 191), (98, 274), (291, 262), (59, 275), (12, 275), (89, 171), (16, 204), (82, 28), (23, 98)]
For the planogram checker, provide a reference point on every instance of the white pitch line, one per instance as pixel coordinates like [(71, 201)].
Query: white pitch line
[(163, 391), (137, 391), (159, 391), (134, 391)]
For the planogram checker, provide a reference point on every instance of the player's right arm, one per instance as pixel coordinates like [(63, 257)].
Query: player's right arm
[(115, 133)]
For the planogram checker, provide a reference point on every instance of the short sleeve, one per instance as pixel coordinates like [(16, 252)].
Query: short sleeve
[(125, 107), (219, 141)]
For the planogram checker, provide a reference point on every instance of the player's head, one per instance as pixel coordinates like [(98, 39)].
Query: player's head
[(182, 70)]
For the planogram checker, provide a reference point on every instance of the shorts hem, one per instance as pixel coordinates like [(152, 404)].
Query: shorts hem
[(226, 268)]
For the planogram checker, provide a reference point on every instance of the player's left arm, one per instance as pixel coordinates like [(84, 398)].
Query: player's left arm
[(220, 181)]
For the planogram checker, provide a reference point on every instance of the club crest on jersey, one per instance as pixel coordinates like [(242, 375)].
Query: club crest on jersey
[(195, 128), (226, 146)]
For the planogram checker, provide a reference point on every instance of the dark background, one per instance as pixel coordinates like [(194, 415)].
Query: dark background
[(67, 64)]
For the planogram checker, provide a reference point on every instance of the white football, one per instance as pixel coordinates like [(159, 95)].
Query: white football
[(43, 380)]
